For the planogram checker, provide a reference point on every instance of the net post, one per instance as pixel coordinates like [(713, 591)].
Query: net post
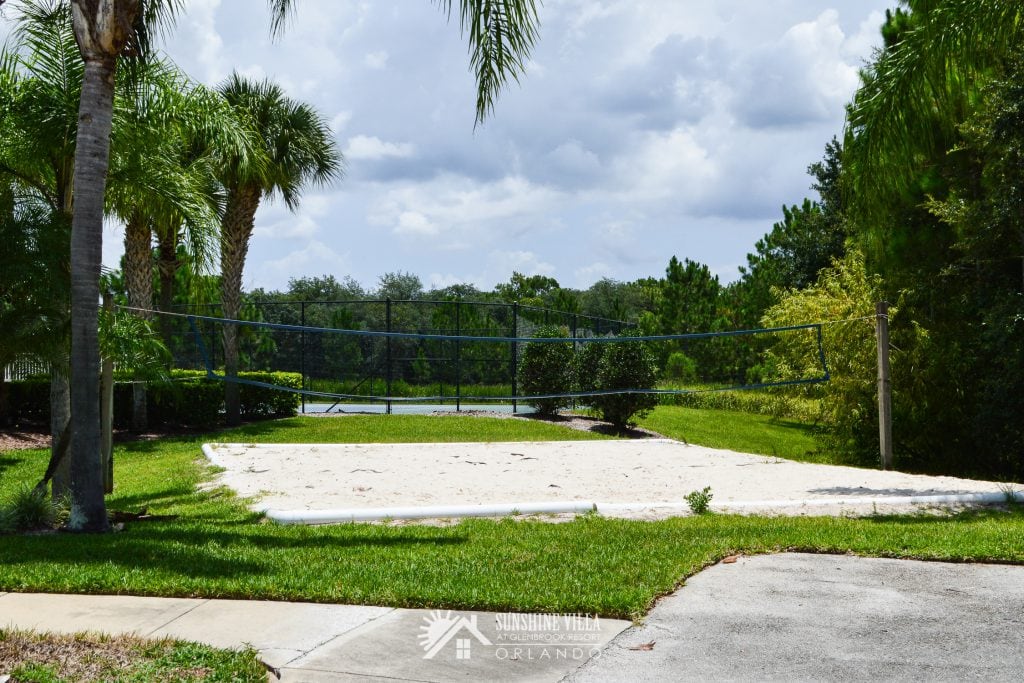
[(387, 327), (884, 385)]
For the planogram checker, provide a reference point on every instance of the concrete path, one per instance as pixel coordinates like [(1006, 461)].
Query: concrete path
[(312, 642), (800, 617), (792, 617)]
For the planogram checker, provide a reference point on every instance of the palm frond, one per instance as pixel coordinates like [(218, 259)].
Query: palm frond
[(916, 92), (281, 12), (501, 34)]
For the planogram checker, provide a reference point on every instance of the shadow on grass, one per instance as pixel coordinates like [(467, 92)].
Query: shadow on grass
[(176, 495), (9, 462), (270, 537), (1011, 511), (198, 551)]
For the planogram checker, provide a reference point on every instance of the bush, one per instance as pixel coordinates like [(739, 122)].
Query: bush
[(546, 368), (189, 399), (259, 402), (619, 365), (586, 366), (28, 400)]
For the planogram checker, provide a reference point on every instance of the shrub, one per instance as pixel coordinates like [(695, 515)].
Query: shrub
[(586, 365), (546, 368), (28, 399), (189, 399), (619, 365), (257, 402)]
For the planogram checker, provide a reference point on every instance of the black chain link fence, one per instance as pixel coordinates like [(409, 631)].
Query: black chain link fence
[(380, 369)]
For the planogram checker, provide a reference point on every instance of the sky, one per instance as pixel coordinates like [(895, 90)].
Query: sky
[(642, 129)]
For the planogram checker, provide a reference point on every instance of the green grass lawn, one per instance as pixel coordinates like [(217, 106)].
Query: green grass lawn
[(402, 429), (743, 432), (217, 548)]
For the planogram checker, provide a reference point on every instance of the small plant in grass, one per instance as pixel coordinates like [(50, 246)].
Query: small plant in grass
[(699, 501), (30, 509), (1010, 492), (546, 368)]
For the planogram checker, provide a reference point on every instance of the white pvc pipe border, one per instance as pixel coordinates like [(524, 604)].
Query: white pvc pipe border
[(580, 507)]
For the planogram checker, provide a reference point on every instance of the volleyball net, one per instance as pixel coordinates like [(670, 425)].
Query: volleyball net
[(468, 355)]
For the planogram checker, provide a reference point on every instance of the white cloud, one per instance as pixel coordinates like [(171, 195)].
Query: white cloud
[(376, 60), (299, 225), (371, 148), (503, 263), (200, 17), (455, 205), (415, 223), (340, 120), (314, 257), (589, 274), (665, 164)]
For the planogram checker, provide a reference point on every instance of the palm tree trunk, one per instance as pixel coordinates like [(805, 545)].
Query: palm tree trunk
[(60, 414), (138, 278), (92, 151), (239, 216), (167, 265)]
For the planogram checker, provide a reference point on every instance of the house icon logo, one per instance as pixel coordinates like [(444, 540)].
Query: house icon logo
[(441, 627)]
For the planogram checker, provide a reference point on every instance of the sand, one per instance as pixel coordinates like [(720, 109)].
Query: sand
[(293, 477)]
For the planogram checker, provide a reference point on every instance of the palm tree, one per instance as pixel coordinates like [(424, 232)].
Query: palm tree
[(501, 33), (42, 73), (165, 136), (297, 151), (919, 88)]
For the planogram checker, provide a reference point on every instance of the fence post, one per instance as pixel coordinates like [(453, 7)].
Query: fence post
[(107, 409), (458, 357), (575, 344), (515, 356), (387, 327), (884, 385), (302, 352)]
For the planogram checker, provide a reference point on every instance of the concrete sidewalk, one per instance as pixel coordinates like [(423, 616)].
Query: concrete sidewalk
[(313, 642), (786, 617)]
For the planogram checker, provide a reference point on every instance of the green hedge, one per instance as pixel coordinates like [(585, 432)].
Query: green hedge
[(773, 402), (28, 400), (190, 399)]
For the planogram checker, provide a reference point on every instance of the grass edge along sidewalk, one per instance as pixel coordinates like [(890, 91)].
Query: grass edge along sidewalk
[(46, 657), (214, 547)]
